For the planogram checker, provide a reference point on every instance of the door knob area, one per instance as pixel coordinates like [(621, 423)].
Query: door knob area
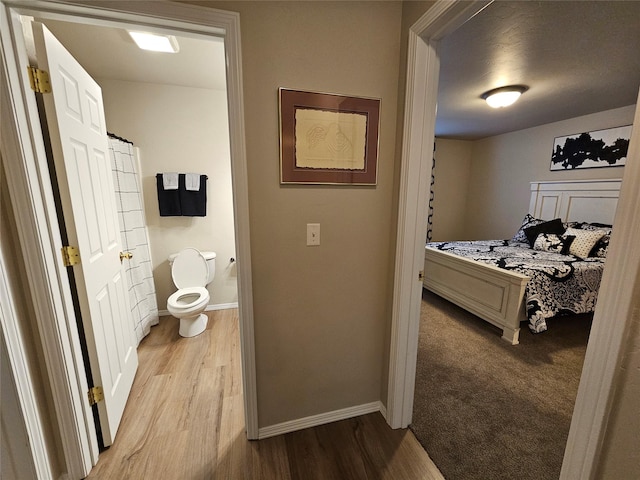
[(127, 255)]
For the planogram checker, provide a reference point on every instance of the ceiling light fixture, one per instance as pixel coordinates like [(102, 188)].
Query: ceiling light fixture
[(504, 96), (155, 42)]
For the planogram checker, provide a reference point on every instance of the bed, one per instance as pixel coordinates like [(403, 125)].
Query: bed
[(495, 279)]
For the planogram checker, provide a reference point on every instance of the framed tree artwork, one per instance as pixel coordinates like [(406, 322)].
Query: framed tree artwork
[(328, 138)]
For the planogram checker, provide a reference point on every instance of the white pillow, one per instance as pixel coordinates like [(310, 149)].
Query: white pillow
[(584, 241)]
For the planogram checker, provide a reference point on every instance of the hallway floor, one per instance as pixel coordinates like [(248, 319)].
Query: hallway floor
[(185, 420)]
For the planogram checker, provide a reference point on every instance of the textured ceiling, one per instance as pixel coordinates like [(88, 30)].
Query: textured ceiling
[(577, 58)]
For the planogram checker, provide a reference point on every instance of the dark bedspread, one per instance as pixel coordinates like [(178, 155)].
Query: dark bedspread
[(559, 284)]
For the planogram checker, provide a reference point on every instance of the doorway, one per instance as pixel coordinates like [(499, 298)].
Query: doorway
[(593, 402), (172, 107), (39, 231)]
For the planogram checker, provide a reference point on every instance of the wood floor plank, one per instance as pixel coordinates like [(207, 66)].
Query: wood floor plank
[(185, 420), (327, 451), (268, 459)]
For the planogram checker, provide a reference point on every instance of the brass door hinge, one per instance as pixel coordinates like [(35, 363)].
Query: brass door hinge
[(95, 395), (70, 256), (421, 275), (39, 80)]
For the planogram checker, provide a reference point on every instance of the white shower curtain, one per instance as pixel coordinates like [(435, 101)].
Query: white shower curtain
[(138, 269)]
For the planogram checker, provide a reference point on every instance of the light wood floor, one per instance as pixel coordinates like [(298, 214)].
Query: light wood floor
[(184, 420)]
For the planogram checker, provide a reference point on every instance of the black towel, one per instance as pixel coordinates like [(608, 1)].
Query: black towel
[(168, 200), (193, 204)]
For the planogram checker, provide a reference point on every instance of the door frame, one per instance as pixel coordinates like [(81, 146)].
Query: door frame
[(421, 93), (27, 407), (31, 193), (618, 292)]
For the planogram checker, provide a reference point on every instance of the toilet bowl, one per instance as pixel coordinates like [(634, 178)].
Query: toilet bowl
[(190, 273)]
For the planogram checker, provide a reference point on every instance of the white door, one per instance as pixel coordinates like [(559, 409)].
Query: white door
[(75, 117)]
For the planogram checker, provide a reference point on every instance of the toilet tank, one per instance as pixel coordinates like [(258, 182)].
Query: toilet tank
[(210, 257)]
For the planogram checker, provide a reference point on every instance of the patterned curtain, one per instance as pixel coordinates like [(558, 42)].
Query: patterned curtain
[(430, 215), (133, 230)]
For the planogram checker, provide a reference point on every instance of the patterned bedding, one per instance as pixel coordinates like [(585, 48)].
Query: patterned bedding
[(559, 284)]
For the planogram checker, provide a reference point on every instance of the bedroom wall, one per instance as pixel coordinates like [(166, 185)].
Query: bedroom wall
[(321, 313), (452, 171), (502, 167), (185, 130)]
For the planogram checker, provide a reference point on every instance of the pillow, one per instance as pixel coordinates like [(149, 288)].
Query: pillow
[(552, 242), (596, 226), (600, 248), (572, 225), (584, 242), (552, 226), (528, 221), (589, 226), (602, 245)]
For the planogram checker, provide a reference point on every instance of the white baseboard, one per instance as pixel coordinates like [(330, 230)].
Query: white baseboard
[(321, 419), (383, 411), (220, 306)]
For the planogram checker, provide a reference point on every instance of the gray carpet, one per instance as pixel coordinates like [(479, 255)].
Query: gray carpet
[(487, 410)]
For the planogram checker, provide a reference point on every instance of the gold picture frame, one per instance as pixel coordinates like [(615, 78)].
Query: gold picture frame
[(328, 139)]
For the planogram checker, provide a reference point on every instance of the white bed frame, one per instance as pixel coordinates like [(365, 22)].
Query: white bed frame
[(497, 295)]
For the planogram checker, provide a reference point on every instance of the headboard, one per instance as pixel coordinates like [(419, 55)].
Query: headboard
[(575, 201)]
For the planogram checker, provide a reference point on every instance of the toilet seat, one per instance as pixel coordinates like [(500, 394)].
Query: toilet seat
[(179, 304), (190, 274), (189, 269)]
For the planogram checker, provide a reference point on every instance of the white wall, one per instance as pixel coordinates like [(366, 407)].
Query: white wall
[(502, 167), (180, 129)]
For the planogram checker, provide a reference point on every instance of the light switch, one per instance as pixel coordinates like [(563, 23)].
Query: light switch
[(313, 234)]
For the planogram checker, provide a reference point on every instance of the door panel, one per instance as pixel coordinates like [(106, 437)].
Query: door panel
[(75, 117)]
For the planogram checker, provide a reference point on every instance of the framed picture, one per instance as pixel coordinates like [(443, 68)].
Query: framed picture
[(600, 148), (328, 139)]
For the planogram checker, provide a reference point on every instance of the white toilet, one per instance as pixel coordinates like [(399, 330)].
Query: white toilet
[(191, 271)]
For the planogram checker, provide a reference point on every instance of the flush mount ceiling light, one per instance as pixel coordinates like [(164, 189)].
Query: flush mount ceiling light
[(155, 42), (504, 96)]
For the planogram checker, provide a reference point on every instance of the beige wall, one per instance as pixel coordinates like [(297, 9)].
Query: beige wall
[(180, 129), (452, 170), (502, 167), (321, 313), (335, 340)]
